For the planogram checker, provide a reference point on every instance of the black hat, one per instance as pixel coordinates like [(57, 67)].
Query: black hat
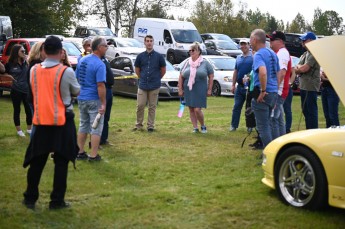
[(52, 44), (276, 35)]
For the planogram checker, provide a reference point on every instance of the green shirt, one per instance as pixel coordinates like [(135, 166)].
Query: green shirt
[(310, 81)]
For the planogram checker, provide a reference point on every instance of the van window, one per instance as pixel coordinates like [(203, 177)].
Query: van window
[(101, 32), (186, 36), (167, 37)]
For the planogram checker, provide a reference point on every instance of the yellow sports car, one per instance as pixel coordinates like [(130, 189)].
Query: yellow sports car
[(307, 168)]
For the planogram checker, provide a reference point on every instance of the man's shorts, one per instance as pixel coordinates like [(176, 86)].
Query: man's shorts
[(88, 112)]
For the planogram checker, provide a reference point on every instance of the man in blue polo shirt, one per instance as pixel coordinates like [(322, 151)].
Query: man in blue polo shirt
[(244, 63), (150, 67), (266, 69)]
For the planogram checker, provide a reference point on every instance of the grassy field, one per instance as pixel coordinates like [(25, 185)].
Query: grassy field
[(171, 178)]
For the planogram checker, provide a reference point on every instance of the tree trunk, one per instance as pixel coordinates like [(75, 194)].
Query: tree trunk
[(106, 12)]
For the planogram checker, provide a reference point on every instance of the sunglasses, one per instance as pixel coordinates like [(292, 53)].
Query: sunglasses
[(23, 51), (191, 50)]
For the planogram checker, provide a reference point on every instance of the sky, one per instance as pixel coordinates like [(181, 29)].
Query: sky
[(276, 9)]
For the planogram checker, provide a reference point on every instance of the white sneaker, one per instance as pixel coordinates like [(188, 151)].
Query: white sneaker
[(28, 131), (21, 133)]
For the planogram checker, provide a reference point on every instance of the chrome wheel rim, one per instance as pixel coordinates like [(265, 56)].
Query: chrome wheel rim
[(297, 180)]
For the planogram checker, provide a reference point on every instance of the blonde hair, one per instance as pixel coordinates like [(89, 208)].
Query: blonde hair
[(35, 51), (66, 60), (196, 47)]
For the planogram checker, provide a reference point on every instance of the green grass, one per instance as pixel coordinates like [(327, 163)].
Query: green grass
[(168, 179)]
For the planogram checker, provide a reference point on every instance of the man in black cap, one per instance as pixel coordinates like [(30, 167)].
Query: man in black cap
[(277, 42), (309, 82), (52, 86)]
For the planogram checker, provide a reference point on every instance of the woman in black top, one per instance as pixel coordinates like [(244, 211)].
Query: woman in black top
[(17, 68)]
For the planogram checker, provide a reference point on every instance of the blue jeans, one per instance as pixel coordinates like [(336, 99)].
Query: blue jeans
[(330, 104), (240, 98), (278, 124), (262, 113), (287, 111), (109, 100), (309, 108)]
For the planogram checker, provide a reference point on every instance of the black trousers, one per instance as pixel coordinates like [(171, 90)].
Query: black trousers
[(34, 175), (17, 98)]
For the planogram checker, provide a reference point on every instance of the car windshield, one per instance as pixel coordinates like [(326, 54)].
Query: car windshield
[(226, 45), (129, 43), (221, 37), (71, 49), (186, 36), (101, 32), (222, 64)]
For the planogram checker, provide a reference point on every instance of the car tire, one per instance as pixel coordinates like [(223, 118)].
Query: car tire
[(216, 89), (300, 178), (171, 58)]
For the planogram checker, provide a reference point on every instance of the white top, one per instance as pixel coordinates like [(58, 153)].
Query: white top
[(284, 58)]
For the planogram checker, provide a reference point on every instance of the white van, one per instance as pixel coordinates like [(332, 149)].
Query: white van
[(172, 38)]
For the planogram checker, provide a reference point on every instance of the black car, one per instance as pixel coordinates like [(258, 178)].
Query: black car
[(86, 31), (293, 44)]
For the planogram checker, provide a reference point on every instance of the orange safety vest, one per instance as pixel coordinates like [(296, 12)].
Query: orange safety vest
[(49, 108)]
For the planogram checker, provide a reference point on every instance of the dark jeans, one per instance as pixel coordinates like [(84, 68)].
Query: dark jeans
[(109, 100), (34, 175), (309, 108), (17, 98), (240, 98), (287, 111), (330, 105)]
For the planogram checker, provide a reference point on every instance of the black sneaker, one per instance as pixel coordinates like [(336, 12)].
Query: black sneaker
[(58, 205), (150, 130), (97, 158), (82, 156), (28, 204)]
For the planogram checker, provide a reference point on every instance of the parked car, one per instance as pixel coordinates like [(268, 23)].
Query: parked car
[(223, 67), (72, 51), (306, 167), (215, 36), (88, 31), (228, 48), (123, 47), (126, 81), (293, 44), (77, 41)]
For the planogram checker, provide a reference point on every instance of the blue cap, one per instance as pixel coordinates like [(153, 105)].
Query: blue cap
[(307, 36)]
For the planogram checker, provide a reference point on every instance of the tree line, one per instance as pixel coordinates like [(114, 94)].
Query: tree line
[(40, 17)]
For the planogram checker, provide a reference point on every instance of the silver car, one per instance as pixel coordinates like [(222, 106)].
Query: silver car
[(223, 67), (123, 47), (126, 81)]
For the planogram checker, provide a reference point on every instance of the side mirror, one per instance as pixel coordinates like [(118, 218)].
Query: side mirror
[(127, 69), (3, 37)]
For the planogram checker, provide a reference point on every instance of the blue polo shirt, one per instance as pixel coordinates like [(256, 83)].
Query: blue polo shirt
[(150, 65), (267, 58), (244, 65)]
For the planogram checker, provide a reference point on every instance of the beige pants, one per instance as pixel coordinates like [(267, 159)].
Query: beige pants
[(144, 97)]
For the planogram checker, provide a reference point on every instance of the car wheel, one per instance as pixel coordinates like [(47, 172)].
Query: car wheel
[(171, 58), (300, 178), (216, 89)]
